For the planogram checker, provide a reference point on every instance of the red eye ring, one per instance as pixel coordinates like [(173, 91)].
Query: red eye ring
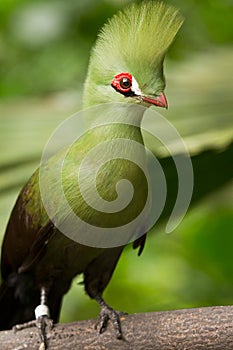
[(122, 82)]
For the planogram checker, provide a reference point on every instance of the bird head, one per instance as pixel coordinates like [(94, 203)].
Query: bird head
[(126, 63)]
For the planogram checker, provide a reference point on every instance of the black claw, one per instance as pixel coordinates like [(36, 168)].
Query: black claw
[(103, 321), (42, 323), (19, 327), (117, 326), (106, 314)]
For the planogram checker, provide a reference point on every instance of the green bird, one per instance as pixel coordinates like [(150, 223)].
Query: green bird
[(44, 246)]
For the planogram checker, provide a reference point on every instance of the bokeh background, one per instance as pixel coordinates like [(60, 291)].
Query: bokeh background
[(44, 50)]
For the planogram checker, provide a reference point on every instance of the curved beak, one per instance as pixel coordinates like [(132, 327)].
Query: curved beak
[(159, 101)]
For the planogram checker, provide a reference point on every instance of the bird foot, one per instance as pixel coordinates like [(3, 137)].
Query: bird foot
[(19, 327), (108, 314), (42, 323)]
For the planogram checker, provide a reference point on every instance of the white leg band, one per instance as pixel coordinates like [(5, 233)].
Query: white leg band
[(41, 310)]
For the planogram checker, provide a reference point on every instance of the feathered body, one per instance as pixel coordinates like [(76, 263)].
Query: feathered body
[(35, 253)]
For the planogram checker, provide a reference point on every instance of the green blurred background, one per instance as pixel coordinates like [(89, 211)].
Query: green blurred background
[(44, 50)]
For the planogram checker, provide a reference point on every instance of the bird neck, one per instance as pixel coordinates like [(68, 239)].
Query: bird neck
[(115, 120)]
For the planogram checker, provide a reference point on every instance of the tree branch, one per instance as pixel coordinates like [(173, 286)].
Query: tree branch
[(209, 328)]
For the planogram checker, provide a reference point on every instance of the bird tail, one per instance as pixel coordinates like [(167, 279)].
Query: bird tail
[(17, 300), (12, 311), (17, 303)]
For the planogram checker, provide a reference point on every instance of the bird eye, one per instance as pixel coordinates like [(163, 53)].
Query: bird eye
[(122, 83), (125, 83)]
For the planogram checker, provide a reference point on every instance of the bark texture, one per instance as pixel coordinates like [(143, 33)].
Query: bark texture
[(209, 328)]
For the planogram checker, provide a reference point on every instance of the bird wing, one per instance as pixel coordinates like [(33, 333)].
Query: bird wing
[(26, 235), (38, 248), (140, 243)]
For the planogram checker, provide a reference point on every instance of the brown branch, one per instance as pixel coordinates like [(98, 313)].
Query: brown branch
[(209, 328)]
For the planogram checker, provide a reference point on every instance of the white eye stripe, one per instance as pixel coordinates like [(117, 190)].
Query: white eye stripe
[(135, 87)]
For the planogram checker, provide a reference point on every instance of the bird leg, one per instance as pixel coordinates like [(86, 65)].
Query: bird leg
[(41, 322), (106, 314), (43, 319)]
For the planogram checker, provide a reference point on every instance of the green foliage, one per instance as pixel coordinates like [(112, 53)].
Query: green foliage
[(191, 267), (44, 45), (45, 65)]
